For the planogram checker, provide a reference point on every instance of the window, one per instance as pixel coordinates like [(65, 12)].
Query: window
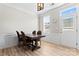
[(68, 23), (67, 16)]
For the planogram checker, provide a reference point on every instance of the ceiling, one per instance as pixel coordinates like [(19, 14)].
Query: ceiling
[(31, 7)]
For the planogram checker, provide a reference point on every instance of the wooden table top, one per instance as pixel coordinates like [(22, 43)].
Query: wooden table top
[(35, 36)]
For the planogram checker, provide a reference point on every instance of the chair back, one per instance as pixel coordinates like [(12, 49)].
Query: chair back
[(22, 33), (18, 34), (39, 32), (34, 32), (25, 39)]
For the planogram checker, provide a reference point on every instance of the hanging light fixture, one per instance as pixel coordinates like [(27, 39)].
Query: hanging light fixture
[(40, 6)]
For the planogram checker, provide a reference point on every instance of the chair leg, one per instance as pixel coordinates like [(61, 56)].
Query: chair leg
[(39, 42), (19, 45)]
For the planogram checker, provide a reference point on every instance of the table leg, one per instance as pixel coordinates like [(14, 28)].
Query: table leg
[(36, 43)]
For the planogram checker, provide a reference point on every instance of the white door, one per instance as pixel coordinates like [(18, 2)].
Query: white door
[(46, 27), (68, 20), (77, 27)]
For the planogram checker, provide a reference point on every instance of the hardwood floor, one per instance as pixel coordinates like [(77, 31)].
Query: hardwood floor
[(47, 49)]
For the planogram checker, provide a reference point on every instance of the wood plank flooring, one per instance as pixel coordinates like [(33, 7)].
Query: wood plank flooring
[(47, 49)]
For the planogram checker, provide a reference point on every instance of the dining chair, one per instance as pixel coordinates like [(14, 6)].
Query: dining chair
[(34, 32), (39, 33), (26, 40), (20, 41)]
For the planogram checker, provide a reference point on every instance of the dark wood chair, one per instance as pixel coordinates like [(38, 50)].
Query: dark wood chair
[(24, 38), (34, 32), (27, 42), (39, 33), (20, 41)]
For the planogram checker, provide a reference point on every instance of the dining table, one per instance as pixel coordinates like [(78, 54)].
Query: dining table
[(35, 38)]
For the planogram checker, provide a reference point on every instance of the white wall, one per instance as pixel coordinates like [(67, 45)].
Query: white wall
[(12, 19)]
